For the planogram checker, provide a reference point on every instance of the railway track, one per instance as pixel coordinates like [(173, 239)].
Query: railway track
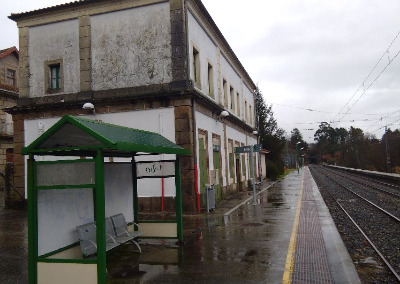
[(368, 219)]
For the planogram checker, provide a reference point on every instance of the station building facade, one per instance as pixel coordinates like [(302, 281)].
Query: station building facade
[(157, 65)]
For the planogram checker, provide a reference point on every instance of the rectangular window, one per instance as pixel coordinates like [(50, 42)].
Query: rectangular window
[(196, 66), (245, 111), (225, 92), (250, 116), (238, 104), (232, 98), (55, 77), (210, 79), (231, 162), (11, 77)]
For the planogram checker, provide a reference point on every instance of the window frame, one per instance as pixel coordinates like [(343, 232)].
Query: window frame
[(238, 104), (196, 70), (210, 80), (12, 78), (225, 92), (232, 97), (48, 68)]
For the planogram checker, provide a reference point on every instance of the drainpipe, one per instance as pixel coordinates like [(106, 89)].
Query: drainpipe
[(196, 177), (162, 194)]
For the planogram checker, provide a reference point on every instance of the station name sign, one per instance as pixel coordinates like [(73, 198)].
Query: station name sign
[(247, 149), (155, 169)]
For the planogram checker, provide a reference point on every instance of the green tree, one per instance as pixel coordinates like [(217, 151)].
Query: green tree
[(271, 136)]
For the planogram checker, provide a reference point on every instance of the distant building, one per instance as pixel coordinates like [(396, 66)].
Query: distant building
[(9, 70), (157, 65)]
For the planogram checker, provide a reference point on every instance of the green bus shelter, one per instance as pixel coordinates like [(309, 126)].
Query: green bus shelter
[(70, 184)]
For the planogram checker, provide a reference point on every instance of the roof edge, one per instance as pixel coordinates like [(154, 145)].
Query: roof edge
[(204, 10), (8, 51)]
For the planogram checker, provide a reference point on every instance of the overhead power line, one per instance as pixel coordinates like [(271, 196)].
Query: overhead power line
[(390, 124), (322, 111), (363, 86)]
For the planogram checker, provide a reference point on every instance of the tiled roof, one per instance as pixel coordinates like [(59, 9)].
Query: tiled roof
[(7, 51), (49, 9)]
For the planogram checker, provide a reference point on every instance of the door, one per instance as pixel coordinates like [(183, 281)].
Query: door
[(203, 168), (217, 167)]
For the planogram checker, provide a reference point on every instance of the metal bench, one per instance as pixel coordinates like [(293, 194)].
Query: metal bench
[(121, 233), (87, 239), (116, 234)]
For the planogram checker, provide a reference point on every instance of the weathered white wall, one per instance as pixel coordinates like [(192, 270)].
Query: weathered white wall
[(51, 42), (233, 80), (223, 70), (249, 97), (131, 47), (208, 53), (211, 126)]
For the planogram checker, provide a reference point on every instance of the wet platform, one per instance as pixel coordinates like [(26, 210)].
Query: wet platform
[(287, 237)]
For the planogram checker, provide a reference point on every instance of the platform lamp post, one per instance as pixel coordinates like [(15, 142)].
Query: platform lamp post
[(301, 161), (297, 156)]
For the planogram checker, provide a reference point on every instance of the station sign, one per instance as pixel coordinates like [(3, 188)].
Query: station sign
[(155, 169), (247, 149)]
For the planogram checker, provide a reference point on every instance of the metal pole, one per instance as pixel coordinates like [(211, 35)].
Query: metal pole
[(297, 157), (253, 176), (389, 168)]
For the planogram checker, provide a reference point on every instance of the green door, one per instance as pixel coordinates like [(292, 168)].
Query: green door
[(203, 170), (216, 159)]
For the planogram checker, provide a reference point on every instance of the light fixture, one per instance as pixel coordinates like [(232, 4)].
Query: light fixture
[(89, 106), (224, 113), (255, 132)]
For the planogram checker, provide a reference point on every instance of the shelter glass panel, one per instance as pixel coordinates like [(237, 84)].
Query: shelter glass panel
[(72, 173)]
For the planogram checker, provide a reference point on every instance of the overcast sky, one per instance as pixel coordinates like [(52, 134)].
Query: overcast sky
[(310, 58)]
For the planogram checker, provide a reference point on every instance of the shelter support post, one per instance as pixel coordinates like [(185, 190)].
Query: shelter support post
[(179, 222), (135, 194), (100, 218), (32, 222)]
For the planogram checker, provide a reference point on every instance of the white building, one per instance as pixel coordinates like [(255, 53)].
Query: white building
[(156, 65)]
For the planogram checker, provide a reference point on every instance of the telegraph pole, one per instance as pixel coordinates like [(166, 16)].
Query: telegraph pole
[(389, 168)]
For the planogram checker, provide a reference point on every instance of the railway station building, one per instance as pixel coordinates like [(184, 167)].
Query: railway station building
[(156, 65)]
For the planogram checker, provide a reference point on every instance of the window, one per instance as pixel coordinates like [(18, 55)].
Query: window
[(245, 111), (231, 162), (11, 77), (250, 116), (225, 92), (210, 79), (232, 98), (196, 66), (238, 104), (54, 76)]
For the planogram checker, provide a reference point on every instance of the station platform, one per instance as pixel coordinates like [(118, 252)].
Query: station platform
[(288, 236), (316, 252)]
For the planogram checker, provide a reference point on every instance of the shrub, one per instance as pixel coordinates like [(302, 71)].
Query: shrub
[(274, 170)]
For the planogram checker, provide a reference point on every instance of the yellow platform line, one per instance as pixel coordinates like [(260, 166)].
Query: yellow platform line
[(287, 274)]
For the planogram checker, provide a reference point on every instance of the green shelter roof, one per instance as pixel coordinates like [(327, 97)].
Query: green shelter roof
[(78, 136)]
